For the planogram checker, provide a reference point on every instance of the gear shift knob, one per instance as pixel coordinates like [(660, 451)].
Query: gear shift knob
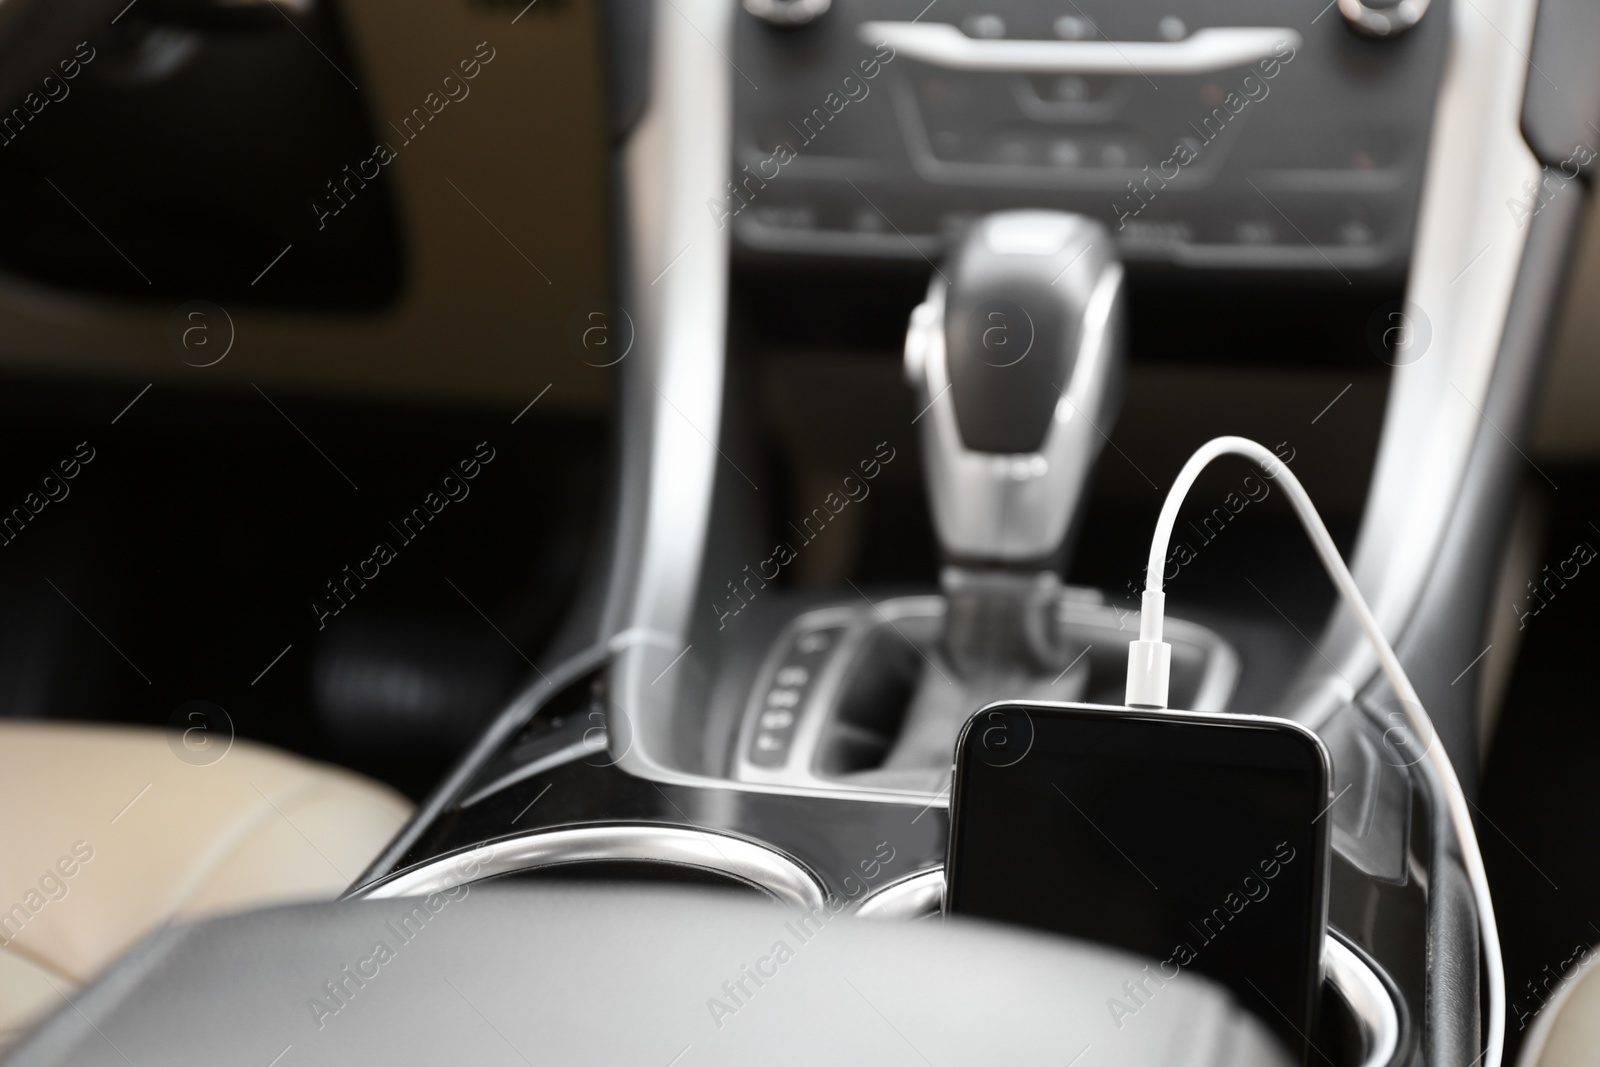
[(1016, 357)]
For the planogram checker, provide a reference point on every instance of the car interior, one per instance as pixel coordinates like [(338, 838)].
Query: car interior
[(604, 545)]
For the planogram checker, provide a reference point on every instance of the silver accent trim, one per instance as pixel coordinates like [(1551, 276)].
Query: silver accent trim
[(787, 12), (943, 45), (675, 287), (916, 896), (1369, 1001), (921, 896), (1464, 267), (756, 865), (1010, 507)]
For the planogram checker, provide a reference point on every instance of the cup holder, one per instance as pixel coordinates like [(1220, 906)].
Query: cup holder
[(629, 852), (1360, 1024)]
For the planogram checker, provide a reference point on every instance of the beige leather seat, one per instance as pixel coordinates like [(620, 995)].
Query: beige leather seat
[(1566, 1031), (106, 833)]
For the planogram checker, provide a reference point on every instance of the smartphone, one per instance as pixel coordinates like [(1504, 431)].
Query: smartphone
[(1197, 840)]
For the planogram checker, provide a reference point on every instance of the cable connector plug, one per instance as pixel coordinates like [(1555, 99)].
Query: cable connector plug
[(1149, 658)]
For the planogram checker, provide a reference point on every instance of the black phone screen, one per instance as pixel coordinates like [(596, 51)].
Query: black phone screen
[(1195, 840)]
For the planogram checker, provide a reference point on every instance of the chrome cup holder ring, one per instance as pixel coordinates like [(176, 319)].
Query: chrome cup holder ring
[(735, 858)]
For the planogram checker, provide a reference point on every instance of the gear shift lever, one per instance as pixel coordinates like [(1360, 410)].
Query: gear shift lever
[(1023, 332), (1016, 359)]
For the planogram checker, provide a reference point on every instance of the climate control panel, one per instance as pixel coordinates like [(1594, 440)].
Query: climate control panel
[(1234, 133)]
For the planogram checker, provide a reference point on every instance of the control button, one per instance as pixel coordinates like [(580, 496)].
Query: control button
[(1171, 28), (1253, 233), (1073, 28), (868, 221), (777, 716), (1051, 97), (786, 12), (1382, 18), (787, 216), (783, 698), (1066, 153), (1150, 232), (988, 27), (1356, 233), (1067, 89), (1012, 151), (809, 644)]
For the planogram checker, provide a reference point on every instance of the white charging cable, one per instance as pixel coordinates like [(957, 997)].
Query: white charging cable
[(1150, 662)]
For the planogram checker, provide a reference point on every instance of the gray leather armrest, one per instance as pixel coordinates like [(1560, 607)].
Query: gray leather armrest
[(607, 975)]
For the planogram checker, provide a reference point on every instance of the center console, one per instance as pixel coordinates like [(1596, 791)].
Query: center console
[(699, 722)]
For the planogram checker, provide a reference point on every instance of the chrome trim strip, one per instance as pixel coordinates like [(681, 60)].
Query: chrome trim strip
[(675, 286), (787, 12), (676, 290), (757, 865), (1369, 1001), (1463, 269), (921, 895), (916, 896), (1207, 50), (1380, 21)]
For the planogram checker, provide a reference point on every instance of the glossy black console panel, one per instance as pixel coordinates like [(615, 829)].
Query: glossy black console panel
[(840, 841)]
